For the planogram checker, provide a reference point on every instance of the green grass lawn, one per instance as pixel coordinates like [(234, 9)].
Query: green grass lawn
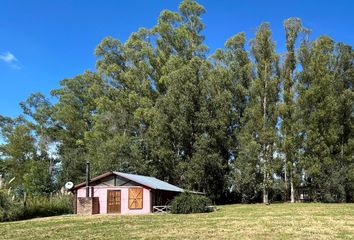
[(277, 221)]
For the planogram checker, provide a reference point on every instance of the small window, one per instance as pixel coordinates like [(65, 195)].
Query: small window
[(135, 198)]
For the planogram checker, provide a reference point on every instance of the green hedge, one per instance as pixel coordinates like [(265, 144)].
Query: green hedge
[(190, 203)]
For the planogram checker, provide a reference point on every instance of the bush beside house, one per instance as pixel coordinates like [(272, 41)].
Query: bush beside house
[(190, 203)]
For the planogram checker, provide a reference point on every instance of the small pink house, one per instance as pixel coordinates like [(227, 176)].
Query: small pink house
[(122, 193)]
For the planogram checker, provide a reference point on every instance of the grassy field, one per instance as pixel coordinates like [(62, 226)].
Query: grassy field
[(277, 221)]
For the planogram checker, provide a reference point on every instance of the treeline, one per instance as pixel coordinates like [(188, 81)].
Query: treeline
[(241, 125)]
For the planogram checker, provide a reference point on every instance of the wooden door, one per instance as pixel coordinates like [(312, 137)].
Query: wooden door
[(135, 198), (113, 201)]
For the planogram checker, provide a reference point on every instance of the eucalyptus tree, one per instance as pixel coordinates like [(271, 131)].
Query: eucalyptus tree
[(173, 130), (73, 116), (321, 101), (117, 140), (38, 109), (289, 130), (344, 74), (233, 73), (259, 134), (234, 70)]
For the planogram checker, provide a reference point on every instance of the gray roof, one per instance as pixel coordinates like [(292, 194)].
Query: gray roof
[(151, 182)]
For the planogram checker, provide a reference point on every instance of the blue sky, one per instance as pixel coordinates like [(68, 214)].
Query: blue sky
[(42, 42)]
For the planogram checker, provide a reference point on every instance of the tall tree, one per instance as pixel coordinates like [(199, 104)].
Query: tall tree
[(117, 140), (17, 151), (344, 74), (320, 95), (73, 117), (289, 133), (232, 76), (38, 109), (259, 133), (173, 119)]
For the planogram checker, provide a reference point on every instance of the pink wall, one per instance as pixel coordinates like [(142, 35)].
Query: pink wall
[(101, 192)]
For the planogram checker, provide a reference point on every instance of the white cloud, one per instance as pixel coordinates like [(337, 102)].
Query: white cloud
[(10, 59)]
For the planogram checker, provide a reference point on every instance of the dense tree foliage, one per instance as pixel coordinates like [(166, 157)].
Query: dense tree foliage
[(240, 125)]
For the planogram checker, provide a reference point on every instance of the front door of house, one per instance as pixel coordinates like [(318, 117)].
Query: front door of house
[(113, 201)]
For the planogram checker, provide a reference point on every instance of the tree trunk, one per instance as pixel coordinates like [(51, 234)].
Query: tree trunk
[(265, 180), (1, 181), (265, 175), (286, 178), (292, 191), (265, 195), (265, 189)]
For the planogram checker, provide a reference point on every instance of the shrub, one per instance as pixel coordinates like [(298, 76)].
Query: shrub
[(190, 203), (9, 210), (328, 198), (45, 207), (12, 210), (4, 206)]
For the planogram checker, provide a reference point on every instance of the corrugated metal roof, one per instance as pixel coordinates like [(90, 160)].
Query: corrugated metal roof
[(151, 182)]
